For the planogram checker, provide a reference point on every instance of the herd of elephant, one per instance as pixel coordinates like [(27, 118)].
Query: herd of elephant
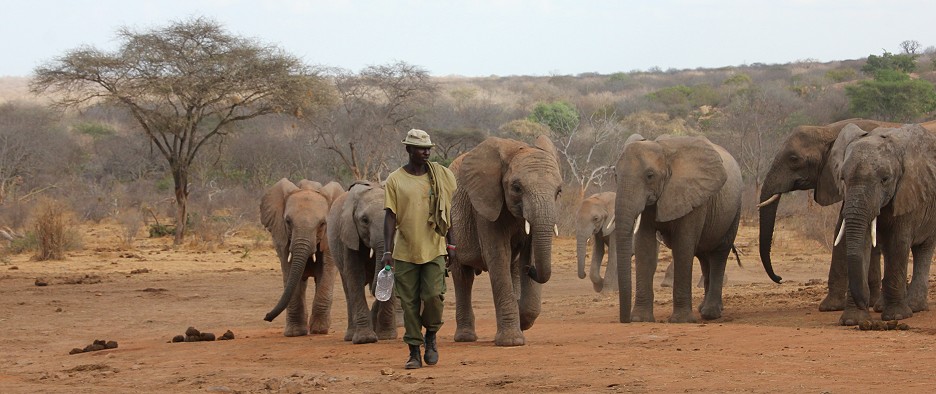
[(683, 192)]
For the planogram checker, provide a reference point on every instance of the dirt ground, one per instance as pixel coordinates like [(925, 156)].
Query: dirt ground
[(771, 339)]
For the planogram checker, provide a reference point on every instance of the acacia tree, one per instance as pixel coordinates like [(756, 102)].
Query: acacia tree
[(184, 84), (374, 107)]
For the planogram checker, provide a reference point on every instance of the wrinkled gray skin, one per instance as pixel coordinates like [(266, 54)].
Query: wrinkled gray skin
[(594, 221), (501, 184), (689, 191), (355, 236), (295, 216), (802, 163), (888, 174)]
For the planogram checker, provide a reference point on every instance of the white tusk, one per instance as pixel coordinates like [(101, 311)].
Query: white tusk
[(874, 232), (769, 201), (372, 253), (556, 229), (637, 224), (526, 227), (313, 257), (838, 238), (610, 221)]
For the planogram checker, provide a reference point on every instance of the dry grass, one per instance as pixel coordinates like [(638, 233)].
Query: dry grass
[(52, 230)]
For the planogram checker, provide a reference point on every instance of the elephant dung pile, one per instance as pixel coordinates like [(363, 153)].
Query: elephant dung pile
[(193, 335), (98, 344), (880, 325)]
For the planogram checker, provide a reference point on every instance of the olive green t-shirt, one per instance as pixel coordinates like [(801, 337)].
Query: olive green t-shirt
[(407, 196)]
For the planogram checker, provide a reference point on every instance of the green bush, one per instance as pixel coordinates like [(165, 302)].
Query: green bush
[(561, 117)]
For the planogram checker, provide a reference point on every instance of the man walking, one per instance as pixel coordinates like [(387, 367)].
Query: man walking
[(418, 205)]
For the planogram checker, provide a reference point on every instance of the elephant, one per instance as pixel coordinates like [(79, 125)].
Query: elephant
[(887, 182), (356, 239), (688, 190), (295, 216), (504, 214), (595, 219), (802, 163)]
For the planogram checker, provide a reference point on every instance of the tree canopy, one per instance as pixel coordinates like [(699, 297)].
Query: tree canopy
[(184, 84)]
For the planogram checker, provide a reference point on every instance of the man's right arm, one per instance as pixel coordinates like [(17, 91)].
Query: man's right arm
[(389, 232)]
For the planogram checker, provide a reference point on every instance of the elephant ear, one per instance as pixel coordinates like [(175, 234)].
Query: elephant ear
[(828, 187), (916, 188), (331, 191), (543, 142), (481, 172), (272, 207), (347, 231), (696, 174)]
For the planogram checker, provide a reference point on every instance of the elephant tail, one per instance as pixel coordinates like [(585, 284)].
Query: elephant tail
[(737, 255)]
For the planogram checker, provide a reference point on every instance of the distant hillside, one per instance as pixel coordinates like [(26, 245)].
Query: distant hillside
[(15, 89)]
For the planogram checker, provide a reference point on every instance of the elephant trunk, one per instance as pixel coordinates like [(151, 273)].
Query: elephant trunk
[(624, 233), (378, 248), (768, 217), (543, 220), (581, 248), (857, 235), (300, 254)]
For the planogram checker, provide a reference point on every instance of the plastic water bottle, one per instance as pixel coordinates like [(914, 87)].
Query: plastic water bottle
[(384, 284)]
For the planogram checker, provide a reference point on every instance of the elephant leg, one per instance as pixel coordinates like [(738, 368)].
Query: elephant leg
[(506, 307), (463, 277), (383, 316), (598, 283), (668, 276), (916, 294), (686, 239), (359, 320), (852, 315), (296, 314), (610, 277), (349, 331), (529, 300), (894, 284), (838, 279), (320, 318), (714, 277), (874, 280), (646, 250)]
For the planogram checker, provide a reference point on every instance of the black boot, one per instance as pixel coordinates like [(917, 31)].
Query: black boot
[(432, 354), (414, 362)]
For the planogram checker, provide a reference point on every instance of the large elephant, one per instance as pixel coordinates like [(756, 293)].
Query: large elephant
[(887, 180), (595, 221), (295, 216), (504, 215), (356, 239), (688, 190)]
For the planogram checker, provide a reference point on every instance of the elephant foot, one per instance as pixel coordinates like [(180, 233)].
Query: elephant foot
[(387, 334), (667, 282), (879, 305), (598, 287), (833, 302), (348, 335), (853, 316), (711, 312), (898, 311), (364, 336), (465, 335), (511, 337), (642, 314), (682, 316), (319, 327), (295, 330)]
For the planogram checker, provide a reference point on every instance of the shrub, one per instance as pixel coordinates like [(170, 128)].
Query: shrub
[(53, 231)]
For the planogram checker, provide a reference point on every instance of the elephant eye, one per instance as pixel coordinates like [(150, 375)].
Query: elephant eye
[(885, 179), (515, 187), (649, 175), (558, 192), (365, 219)]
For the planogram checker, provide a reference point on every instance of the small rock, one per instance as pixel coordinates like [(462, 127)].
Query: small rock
[(178, 338), (903, 326), (206, 336), (13, 268), (110, 345), (227, 335), (191, 331), (59, 309), (386, 371), (41, 282), (76, 351)]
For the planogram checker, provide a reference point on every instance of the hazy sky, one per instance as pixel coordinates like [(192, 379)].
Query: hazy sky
[(489, 37)]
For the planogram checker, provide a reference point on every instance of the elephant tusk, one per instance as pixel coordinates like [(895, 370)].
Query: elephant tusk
[(874, 232), (769, 201), (610, 221), (526, 227), (556, 229), (838, 238), (313, 257), (372, 253), (637, 224)]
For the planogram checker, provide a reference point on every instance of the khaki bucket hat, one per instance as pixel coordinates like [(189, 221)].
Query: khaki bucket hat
[(418, 138)]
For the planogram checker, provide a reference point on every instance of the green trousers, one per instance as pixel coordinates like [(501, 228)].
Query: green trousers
[(420, 287)]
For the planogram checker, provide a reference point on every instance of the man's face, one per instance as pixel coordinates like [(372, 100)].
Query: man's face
[(418, 155)]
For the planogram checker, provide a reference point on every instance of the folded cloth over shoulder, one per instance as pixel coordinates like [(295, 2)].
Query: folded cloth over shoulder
[(441, 188)]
